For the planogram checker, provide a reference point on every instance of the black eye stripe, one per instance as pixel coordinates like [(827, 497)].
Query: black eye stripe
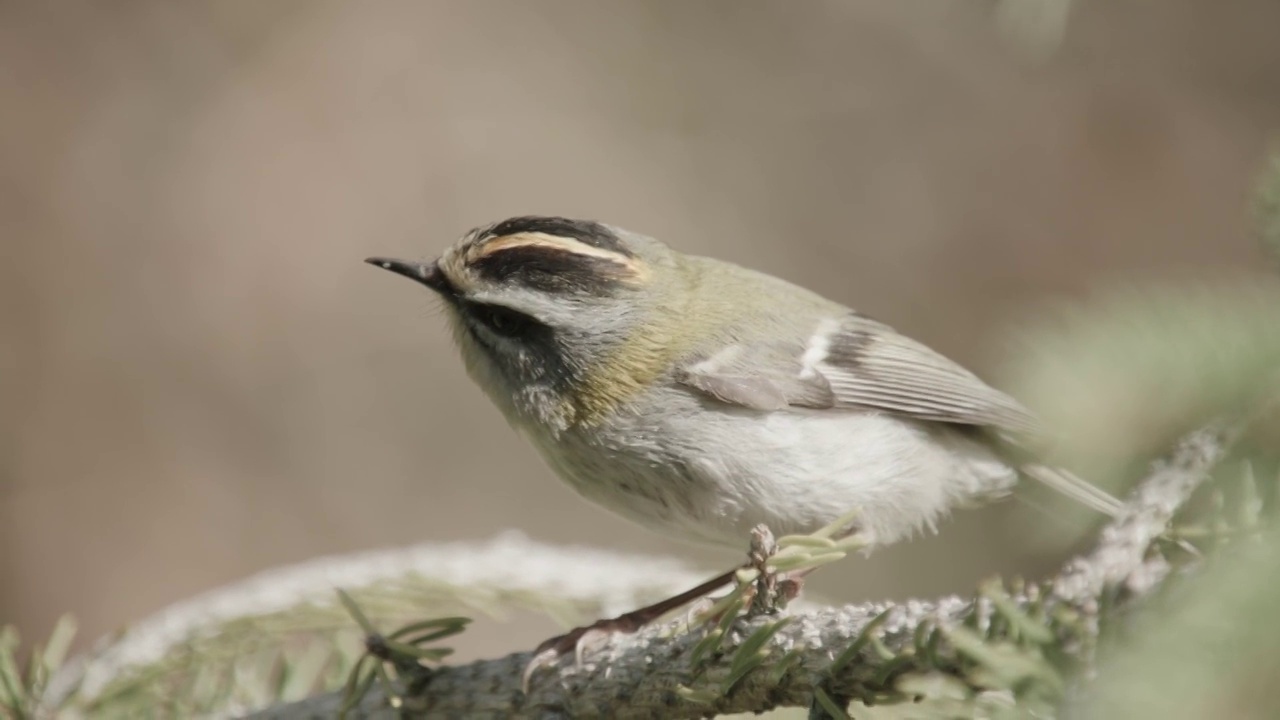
[(553, 270), (503, 320)]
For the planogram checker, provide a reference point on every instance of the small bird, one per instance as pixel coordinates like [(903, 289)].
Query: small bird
[(700, 399)]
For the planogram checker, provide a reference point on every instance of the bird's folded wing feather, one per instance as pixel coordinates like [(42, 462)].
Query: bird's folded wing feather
[(852, 361)]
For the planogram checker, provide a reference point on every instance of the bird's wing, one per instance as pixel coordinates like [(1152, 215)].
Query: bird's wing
[(851, 361)]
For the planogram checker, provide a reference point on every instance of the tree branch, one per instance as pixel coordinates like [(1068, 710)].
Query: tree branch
[(637, 676), (507, 572)]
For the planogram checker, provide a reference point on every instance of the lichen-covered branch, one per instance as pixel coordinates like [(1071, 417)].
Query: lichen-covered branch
[(153, 663), (858, 651)]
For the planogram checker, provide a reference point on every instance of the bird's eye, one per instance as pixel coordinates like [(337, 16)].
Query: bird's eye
[(503, 321)]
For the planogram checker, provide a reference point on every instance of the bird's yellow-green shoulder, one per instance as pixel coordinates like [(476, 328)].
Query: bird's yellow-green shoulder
[(709, 305)]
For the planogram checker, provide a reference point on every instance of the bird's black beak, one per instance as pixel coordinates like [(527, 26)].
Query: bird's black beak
[(428, 274)]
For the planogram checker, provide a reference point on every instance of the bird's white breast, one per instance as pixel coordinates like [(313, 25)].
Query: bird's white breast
[(711, 474)]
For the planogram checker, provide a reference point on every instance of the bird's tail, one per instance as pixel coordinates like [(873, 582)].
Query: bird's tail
[(1074, 487)]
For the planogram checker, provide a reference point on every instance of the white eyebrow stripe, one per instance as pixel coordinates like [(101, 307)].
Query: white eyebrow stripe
[(630, 270), (537, 239)]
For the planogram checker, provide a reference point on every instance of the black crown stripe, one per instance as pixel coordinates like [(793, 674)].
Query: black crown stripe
[(588, 232)]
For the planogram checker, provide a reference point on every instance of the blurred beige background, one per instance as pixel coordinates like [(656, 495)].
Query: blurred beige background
[(199, 379)]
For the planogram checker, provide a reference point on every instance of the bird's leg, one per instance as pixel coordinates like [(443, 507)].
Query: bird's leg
[(555, 647), (764, 596), (632, 621), (769, 591)]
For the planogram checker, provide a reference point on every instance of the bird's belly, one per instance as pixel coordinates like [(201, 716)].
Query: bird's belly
[(713, 477)]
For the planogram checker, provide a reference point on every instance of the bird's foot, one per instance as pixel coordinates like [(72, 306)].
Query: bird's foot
[(767, 591)]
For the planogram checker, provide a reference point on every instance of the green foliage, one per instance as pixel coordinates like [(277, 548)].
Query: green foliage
[(22, 690), (1208, 648), (396, 660), (260, 660), (855, 648), (751, 654), (829, 706), (1008, 654), (1205, 646), (1120, 377), (1267, 203)]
